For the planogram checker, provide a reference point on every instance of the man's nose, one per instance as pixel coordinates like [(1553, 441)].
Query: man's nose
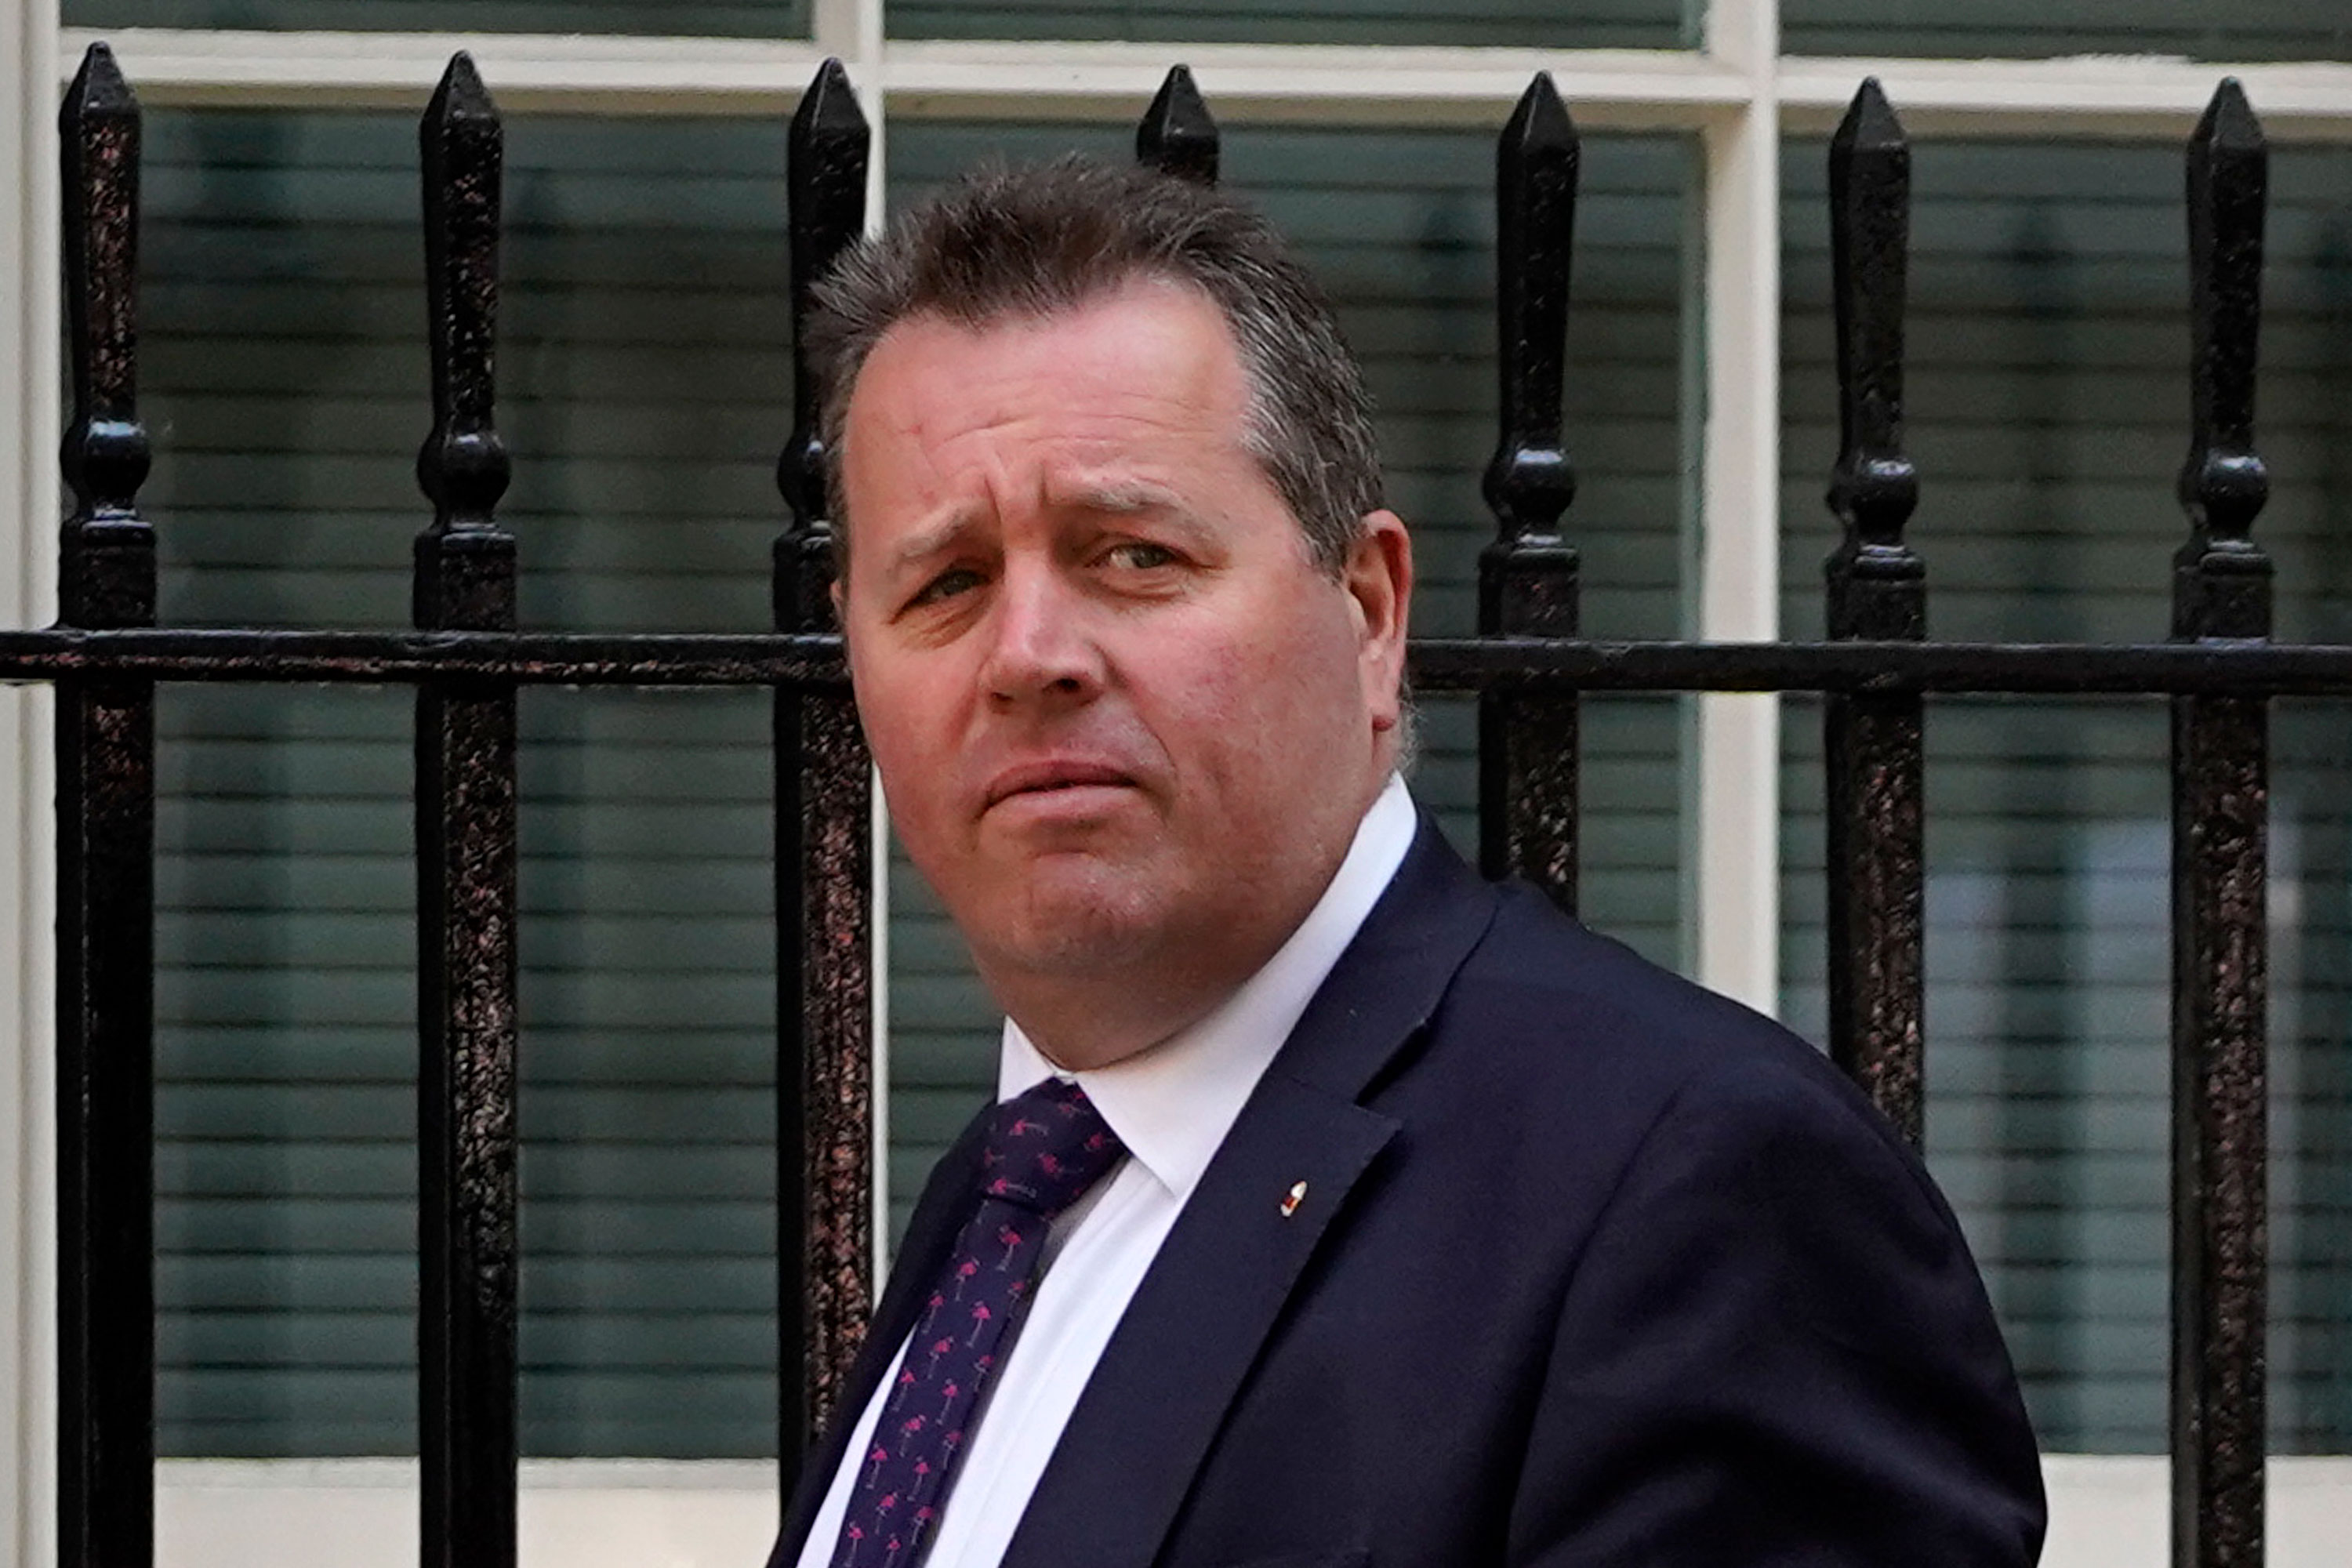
[(1042, 648)]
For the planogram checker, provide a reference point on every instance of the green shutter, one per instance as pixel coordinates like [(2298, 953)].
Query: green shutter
[(644, 372), (1591, 25), (2272, 30), (611, 18)]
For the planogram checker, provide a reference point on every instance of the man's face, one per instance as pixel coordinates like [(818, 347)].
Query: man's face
[(1127, 727)]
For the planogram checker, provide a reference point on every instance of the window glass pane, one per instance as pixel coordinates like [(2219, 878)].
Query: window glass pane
[(2257, 30), (1399, 225), (644, 372), (1596, 25), (2048, 399), (679, 18), (285, 1056)]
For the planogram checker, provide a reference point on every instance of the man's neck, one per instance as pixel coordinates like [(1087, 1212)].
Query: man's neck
[(1083, 1023)]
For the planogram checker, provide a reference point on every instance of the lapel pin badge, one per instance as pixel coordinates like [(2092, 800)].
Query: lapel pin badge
[(1291, 1200)]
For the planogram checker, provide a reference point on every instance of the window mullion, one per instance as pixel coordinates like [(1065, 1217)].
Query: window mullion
[(2117, 98), (30, 421), (1633, 90), (1732, 862)]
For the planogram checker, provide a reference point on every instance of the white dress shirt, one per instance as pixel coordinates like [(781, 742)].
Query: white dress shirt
[(1172, 1107)]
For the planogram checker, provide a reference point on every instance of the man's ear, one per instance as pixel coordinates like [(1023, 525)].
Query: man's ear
[(1379, 581), (840, 605)]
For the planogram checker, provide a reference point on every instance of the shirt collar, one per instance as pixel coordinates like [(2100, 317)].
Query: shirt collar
[(1173, 1105)]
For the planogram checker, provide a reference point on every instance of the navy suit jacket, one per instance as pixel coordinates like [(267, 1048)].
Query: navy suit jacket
[(1593, 1267)]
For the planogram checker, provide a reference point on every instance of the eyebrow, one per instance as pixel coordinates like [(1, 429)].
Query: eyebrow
[(1117, 498), (932, 540), (1122, 497)]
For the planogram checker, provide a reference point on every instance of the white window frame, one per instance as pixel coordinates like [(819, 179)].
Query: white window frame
[(1738, 94)]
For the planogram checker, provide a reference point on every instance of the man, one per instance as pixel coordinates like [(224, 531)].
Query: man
[(1340, 1207)]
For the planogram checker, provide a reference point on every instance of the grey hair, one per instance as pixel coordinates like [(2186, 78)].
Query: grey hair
[(1033, 241)]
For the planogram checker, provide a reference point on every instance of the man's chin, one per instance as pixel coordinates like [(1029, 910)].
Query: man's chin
[(1074, 922)]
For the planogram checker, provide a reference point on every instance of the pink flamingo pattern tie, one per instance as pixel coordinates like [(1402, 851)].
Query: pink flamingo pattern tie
[(1045, 1148)]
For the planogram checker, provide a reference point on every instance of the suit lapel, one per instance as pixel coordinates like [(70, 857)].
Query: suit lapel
[(931, 1230), (1127, 1457)]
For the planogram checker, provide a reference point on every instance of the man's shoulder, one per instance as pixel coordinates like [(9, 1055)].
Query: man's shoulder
[(1539, 980), (1548, 1016)]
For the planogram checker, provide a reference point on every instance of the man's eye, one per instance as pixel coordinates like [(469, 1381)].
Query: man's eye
[(1140, 555), (946, 585)]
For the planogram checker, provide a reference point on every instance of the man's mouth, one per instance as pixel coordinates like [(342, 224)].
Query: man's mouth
[(1047, 777)]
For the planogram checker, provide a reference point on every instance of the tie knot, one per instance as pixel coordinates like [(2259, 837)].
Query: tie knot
[(1047, 1147)]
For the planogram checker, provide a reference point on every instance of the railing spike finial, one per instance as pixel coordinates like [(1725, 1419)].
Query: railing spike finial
[(460, 94), (1875, 579), (1539, 120), (1178, 135), (466, 576), (826, 167), (2229, 119), (2221, 581), (1530, 481), (1528, 578), (98, 86), (107, 573)]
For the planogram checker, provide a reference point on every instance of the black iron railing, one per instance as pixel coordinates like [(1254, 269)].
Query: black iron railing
[(466, 967), (466, 659)]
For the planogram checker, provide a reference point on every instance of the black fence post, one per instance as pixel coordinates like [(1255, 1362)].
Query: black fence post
[(1878, 592), (1527, 576), (824, 907), (1177, 135), (106, 875), (465, 580), (2221, 803)]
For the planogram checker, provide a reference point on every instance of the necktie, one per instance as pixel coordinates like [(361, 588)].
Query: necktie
[(1045, 1148)]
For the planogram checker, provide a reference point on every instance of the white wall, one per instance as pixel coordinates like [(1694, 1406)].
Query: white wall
[(2106, 1512)]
